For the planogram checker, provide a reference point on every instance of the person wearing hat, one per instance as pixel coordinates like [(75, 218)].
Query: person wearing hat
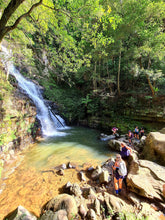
[(120, 171)]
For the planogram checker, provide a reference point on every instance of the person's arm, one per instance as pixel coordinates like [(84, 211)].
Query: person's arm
[(115, 166), (129, 148)]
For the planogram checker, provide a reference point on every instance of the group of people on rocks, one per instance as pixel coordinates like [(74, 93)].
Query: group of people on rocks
[(137, 134), (119, 167)]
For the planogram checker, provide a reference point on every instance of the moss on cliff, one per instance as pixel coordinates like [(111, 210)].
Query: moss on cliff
[(17, 118)]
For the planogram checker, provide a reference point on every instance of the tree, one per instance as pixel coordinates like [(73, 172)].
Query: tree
[(141, 32), (7, 14)]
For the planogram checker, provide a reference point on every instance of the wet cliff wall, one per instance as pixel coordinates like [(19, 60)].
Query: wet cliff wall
[(17, 120)]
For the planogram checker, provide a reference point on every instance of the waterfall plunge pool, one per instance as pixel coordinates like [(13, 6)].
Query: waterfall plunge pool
[(35, 181), (79, 145)]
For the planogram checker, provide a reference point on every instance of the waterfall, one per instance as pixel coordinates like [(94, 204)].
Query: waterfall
[(50, 123)]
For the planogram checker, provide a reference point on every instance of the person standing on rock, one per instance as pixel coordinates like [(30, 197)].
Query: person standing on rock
[(120, 171), (130, 136), (136, 131), (142, 132)]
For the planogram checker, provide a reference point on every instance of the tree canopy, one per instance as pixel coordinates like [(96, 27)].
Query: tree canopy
[(101, 47)]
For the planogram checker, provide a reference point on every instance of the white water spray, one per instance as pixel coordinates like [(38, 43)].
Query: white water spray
[(50, 123)]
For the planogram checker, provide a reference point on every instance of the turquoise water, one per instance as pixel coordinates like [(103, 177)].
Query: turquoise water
[(76, 144)]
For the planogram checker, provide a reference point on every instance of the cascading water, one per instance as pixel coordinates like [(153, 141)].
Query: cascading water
[(50, 123)]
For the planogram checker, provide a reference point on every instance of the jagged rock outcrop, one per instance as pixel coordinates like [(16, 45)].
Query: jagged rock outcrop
[(147, 180)]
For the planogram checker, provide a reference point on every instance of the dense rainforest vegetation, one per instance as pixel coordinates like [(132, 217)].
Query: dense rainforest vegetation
[(93, 57)]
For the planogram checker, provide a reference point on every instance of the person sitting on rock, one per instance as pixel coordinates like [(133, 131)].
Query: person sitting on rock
[(120, 172), (125, 150)]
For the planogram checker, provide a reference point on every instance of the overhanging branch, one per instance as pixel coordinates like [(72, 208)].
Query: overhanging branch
[(9, 28)]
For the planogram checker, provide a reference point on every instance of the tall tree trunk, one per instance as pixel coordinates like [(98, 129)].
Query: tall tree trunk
[(94, 78), (150, 85), (108, 70), (118, 74), (148, 78), (109, 85)]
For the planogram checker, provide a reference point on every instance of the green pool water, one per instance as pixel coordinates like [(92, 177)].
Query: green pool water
[(77, 144)]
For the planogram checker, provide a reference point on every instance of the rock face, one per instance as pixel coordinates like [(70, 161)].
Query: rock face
[(17, 117), (17, 120), (140, 109), (63, 201), (155, 147), (147, 180)]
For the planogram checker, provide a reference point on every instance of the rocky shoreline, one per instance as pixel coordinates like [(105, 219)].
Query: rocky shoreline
[(91, 195)]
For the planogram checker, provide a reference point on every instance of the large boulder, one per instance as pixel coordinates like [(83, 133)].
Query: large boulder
[(162, 131), (147, 180), (63, 201), (154, 149), (114, 145), (114, 203)]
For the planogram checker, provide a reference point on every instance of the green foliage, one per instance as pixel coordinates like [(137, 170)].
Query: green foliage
[(131, 101), (148, 97), (86, 100), (68, 100), (73, 49), (13, 136), (2, 136)]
